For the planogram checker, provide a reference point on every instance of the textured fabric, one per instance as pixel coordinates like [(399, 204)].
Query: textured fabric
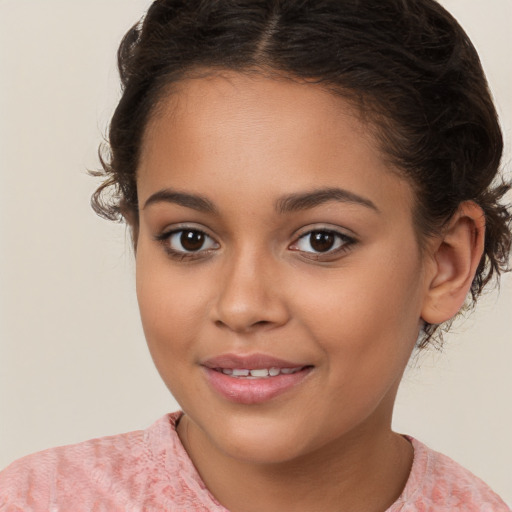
[(150, 470)]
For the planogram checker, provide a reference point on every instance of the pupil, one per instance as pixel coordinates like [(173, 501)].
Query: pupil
[(192, 240), (322, 241)]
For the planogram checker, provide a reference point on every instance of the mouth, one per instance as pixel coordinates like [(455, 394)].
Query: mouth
[(253, 379), (258, 373), (252, 362)]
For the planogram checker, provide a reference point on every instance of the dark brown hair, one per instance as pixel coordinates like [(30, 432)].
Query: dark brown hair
[(407, 64)]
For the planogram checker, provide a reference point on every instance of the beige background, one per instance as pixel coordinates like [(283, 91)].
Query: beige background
[(73, 362)]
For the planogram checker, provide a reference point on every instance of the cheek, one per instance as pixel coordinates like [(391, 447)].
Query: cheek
[(367, 317), (170, 308), (366, 326), (169, 312)]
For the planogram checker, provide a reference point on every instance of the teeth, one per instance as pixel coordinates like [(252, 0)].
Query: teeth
[(259, 373), (240, 373), (287, 371)]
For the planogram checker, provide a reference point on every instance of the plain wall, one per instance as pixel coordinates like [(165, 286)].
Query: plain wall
[(73, 361)]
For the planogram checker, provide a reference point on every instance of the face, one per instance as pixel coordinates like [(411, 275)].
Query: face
[(279, 278)]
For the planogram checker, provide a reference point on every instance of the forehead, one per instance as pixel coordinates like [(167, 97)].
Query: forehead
[(261, 133), (246, 101)]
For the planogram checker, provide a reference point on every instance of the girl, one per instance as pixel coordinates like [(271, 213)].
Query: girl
[(311, 189)]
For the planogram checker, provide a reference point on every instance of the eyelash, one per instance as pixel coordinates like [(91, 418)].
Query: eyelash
[(344, 242), (166, 237)]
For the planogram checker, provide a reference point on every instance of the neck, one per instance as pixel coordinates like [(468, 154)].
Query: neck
[(364, 471)]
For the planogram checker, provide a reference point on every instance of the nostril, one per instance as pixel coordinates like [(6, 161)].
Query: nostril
[(246, 327), (261, 322)]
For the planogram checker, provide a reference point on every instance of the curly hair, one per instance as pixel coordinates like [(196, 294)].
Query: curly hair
[(407, 65)]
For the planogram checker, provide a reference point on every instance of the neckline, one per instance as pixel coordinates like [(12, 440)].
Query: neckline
[(189, 474)]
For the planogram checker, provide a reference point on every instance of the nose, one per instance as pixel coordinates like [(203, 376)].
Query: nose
[(251, 295)]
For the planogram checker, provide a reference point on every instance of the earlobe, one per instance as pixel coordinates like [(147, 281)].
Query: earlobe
[(455, 258)]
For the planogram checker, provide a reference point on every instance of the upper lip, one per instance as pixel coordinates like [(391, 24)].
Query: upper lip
[(249, 362)]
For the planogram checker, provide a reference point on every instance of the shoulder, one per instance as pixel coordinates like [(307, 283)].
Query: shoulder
[(140, 470), (439, 483), (57, 474)]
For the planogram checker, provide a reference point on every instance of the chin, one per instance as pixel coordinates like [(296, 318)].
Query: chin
[(258, 440), (258, 449)]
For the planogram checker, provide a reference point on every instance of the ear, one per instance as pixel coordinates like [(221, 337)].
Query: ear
[(455, 259)]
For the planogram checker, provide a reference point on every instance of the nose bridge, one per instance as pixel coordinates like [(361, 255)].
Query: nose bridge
[(249, 295)]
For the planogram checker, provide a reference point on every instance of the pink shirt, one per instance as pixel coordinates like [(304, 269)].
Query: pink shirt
[(149, 470)]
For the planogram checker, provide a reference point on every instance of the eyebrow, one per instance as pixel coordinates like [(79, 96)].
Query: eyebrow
[(285, 204), (307, 200), (196, 202)]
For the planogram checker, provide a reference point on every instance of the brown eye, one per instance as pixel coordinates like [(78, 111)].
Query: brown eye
[(322, 241), (192, 240), (185, 241)]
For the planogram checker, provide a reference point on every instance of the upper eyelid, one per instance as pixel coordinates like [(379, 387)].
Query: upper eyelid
[(324, 230), (338, 230), (176, 228), (347, 238)]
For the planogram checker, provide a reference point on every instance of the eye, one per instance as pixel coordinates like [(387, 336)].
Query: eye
[(187, 241), (321, 241)]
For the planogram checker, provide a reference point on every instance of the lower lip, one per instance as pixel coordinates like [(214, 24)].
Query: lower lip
[(253, 391)]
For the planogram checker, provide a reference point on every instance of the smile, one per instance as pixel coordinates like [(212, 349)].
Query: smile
[(258, 373), (257, 385)]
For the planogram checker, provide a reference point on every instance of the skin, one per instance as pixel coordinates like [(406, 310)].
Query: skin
[(244, 143)]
